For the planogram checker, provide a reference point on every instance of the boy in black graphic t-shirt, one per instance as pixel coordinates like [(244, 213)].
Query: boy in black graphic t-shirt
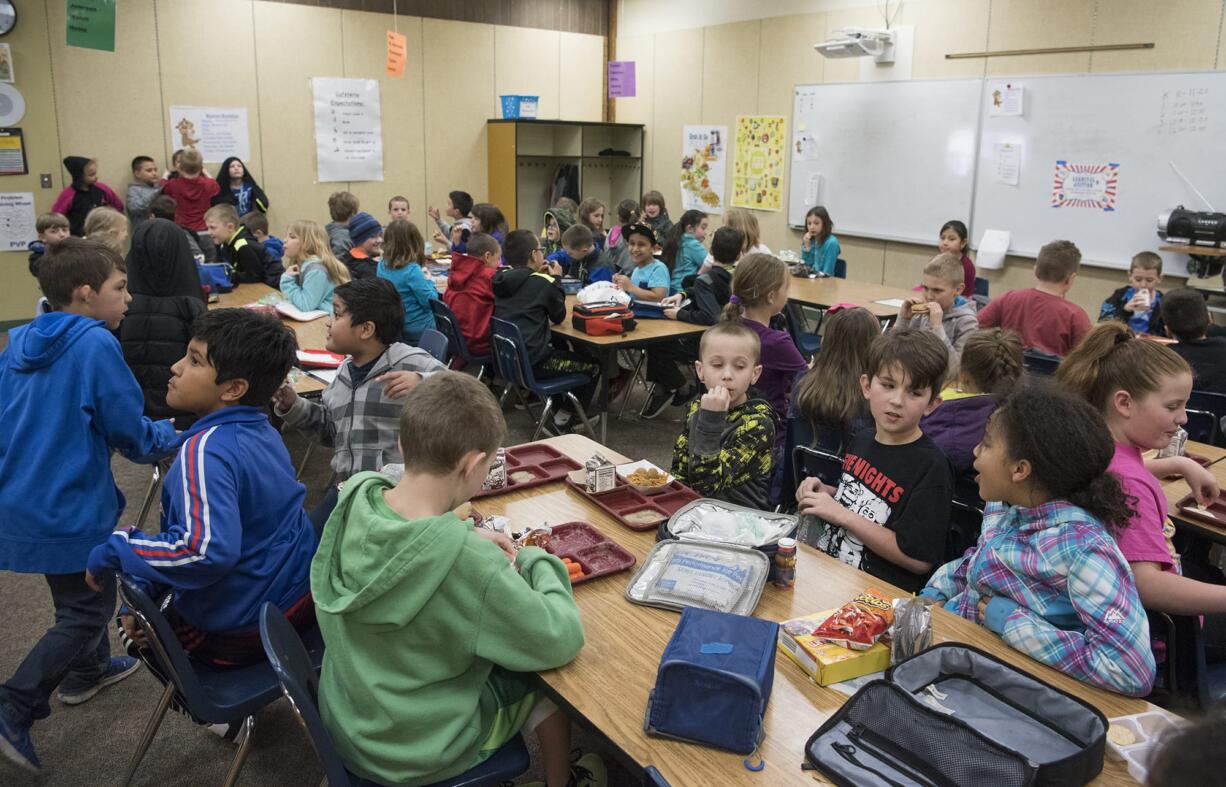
[(889, 515)]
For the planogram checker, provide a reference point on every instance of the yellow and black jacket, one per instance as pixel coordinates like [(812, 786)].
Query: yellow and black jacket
[(727, 456)]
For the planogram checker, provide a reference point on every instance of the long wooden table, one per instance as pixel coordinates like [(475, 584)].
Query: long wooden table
[(608, 683), (824, 293)]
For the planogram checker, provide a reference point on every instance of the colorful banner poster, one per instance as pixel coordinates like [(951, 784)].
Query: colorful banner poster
[(348, 129), (12, 152), (757, 169), (621, 79), (1085, 186), (91, 24), (397, 48), (704, 161), (217, 132)]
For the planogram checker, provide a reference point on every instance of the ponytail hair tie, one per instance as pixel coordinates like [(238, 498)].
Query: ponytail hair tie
[(1122, 337), (734, 300)]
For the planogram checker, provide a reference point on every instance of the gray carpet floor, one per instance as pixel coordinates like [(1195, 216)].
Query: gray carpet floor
[(91, 744)]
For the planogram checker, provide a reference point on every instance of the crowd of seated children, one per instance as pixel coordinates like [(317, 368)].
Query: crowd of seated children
[(108, 227), (313, 273), (683, 251), (356, 414), (83, 194), (655, 213), (236, 187), (724, 449), (953, 240), (1141, 388), (579, 257), (366, 244), (459, 205), (648, 280), (403, 264), (166, 300), (144, 188), (941, 308), (56, 449), (1187, 321), (591, 215), (991, 365), (237, 246), (828, 396), (256, 223), (819, 248), (193, 191), (398, 208), (470, 290), (436, 622), (1042, 315), (1139, 302), (1046, 574), (51, 228), (163, 207), (342, 206), (889, 515), (485, 218)]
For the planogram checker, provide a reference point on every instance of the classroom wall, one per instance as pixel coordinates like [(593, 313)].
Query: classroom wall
[(260, 55), (689, 73)]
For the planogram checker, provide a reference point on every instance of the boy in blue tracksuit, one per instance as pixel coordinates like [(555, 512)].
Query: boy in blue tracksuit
[(66, 399), (233, 530), (579, 257)]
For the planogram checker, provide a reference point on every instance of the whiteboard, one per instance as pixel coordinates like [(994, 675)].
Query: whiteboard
[(891, 160), (1139, 122)]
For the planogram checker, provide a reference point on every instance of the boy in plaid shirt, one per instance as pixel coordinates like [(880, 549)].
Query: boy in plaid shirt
[(359, 412), (1046, 574)]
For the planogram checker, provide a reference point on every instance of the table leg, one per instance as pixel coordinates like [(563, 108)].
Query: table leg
[(610, 366)]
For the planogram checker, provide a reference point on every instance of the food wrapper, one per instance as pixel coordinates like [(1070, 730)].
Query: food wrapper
[(859, 623), (536, 537), (912, 629)]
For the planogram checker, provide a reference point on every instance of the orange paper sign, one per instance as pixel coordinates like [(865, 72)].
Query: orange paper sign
[(395, 54)]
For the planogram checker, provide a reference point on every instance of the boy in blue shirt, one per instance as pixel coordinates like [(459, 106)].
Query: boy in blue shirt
[(66, 399), (233, 530), (579, 257), (649, 278)]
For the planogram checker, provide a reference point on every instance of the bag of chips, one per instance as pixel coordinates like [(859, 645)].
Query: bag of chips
[(859, 623)]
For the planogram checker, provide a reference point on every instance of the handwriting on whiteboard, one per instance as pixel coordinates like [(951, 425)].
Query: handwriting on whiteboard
[(1184, 111)]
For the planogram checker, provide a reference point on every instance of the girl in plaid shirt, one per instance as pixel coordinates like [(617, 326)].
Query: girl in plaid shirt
[(1046, 574)]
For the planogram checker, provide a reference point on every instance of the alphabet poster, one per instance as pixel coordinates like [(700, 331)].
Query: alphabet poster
[(348, 129), (217, 132), (757, 169), (704, 160)]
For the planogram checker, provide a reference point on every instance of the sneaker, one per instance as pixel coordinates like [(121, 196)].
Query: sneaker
[(15, 743), (120, 667), (660, 399), (235, 732), (562, 418), (587, 771)]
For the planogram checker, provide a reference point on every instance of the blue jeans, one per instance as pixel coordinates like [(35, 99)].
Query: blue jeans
[(75, 652)]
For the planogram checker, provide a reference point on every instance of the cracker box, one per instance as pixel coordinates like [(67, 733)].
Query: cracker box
[(823, 662)]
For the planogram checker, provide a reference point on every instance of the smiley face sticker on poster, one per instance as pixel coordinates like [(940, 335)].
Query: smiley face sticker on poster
[(757, 169)]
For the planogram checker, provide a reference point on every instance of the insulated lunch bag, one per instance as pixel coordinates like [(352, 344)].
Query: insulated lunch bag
[(602, 319), (217, 276)]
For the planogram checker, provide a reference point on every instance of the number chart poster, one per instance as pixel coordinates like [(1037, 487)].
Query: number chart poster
[(1092, 186), (704, 162), (757, 169)]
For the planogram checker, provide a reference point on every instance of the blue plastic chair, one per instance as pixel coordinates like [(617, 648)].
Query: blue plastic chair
[(299, 680), (653, 778), (816, 463), (1213, 403), (809, 343), (1039, 362), (840, 268), (447, 324), (981, 286), (210, 694), (436, 344), (513, 365)]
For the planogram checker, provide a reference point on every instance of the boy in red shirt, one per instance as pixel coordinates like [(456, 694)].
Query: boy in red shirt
[(469, 291), (1041, 315), (193, 195)]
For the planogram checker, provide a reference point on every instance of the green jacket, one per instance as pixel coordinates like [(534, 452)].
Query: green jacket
[(415, 614), (564, 219)]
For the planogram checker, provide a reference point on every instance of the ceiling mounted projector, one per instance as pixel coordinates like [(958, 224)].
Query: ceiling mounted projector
[(859, 42)]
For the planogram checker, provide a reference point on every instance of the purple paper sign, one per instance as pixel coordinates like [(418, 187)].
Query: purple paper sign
[(621, 79)]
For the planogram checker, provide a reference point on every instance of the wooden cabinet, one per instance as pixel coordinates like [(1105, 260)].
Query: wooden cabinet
[(526, 156)]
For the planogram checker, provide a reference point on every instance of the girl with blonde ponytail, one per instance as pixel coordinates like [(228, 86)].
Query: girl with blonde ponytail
[(312, 271)]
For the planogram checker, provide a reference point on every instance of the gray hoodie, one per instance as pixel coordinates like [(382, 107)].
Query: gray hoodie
[(957, 325), (338, 237), (139, 197)]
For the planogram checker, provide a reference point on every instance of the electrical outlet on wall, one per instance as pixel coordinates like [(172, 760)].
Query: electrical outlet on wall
[(44, 180)]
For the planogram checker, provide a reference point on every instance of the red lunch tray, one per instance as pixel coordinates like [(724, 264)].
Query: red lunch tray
[(597, 554), (624, 500), (544, 463), (1216, 511)]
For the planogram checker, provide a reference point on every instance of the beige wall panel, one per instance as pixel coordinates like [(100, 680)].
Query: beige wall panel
[(293, 44), (865, 256), (1026, 24), (400, 101), (1184, 32), (730, 82), (458, 104), (942, 27), (677, 101), (526, 63), (904, 263), (581, 76), (106, 102), (641, 108)]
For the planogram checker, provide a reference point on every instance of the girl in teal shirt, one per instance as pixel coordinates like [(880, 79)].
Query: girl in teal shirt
[(819, 249), (312, 271), (404, 256), (683, 251)]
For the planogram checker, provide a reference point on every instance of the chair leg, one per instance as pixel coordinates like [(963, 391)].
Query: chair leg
[(523, 399), (151, 729), (502, 400), (150, 494), (240, 757), (651, 387), (634, 376), (548, 411), (306, 457), (582, 414)]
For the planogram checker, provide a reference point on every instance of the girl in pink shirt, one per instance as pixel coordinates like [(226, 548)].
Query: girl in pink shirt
[(1143, 389)]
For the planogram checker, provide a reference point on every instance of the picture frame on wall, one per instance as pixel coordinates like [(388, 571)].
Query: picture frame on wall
[(6, 64)]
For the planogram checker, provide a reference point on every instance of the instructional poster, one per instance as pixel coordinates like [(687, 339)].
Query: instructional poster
[(704, 161), (348, 129), (1085, 186), (217, 132), (16, 220), (757, 169)]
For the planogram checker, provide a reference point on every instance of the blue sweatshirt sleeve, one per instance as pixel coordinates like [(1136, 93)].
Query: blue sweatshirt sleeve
[(119, 405), (309, 295), (201, 530)]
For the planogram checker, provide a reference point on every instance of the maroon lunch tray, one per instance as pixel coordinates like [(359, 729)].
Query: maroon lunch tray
[(597, 554), (624, 499), (545, 463), (1188, 506)]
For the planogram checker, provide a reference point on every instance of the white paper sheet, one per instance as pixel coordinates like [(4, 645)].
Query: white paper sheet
[(348, 129), (993, 247)]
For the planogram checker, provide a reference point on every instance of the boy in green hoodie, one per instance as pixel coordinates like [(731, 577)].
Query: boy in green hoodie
[(428, 619)]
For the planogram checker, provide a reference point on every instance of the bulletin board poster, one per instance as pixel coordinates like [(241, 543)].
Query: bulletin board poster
[(757, 169), (217, 132), (348, 129), (1093, 186), (16, 221), (704, 163)]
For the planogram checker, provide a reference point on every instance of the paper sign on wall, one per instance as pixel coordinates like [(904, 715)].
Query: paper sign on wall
[(1092, 186), (704, 160), (397, 47), (348, 129), (757, 170), (621, 79), (91, 24), (1005, 99), (1008, 163), (16, 221), (217, 132)]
